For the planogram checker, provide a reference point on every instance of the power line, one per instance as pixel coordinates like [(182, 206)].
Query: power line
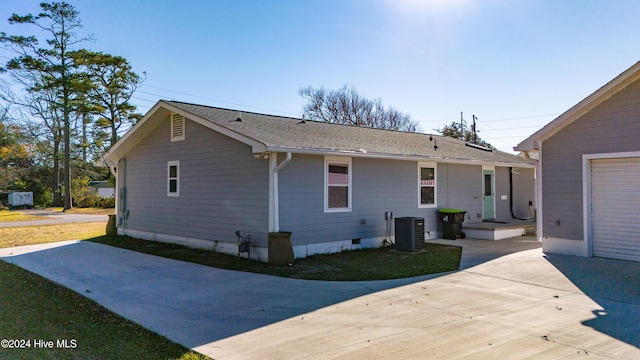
[(502, 131), (515, 118), (520, 118), (519, 127), (211, 99)]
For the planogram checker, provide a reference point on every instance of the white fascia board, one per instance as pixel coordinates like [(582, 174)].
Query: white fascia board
[(361, 154), (131, 138)]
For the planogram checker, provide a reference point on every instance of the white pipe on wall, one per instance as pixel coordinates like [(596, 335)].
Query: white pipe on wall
[(276, 201)]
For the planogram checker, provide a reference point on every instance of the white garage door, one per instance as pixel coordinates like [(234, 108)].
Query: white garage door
[(615, 208)]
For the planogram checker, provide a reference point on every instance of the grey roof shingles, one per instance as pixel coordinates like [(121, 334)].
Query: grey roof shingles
[(294, 134)]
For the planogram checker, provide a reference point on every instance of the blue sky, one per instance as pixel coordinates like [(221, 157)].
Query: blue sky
[(515, 64)]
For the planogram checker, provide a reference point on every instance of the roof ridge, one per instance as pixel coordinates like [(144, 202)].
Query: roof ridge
[(227, 109), (308, 120)]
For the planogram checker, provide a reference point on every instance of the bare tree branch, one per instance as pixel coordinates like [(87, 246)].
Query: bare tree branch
[(347, 106)]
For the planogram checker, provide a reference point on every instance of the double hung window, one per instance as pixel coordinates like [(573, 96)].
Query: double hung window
[(337, 184), (427, 185), (173, 178)]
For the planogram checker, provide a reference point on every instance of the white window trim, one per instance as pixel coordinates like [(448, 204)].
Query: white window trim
[(183, 124), (175, 163), (342, 161), (435, 186)]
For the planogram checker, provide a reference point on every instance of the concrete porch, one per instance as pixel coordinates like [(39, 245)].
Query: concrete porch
[(500, 229)]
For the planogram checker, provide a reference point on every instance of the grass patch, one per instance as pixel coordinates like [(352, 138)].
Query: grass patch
[(34, 308), (85, 211), (366, 264), (379, 264), (14, 215), (28, 235), (11, 216)]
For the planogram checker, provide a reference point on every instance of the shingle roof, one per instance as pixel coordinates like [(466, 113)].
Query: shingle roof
[(277, 132)]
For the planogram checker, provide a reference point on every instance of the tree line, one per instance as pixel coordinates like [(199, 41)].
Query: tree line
[(61, 103)]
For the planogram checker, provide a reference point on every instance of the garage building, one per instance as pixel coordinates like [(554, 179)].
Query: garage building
[(587, 185)]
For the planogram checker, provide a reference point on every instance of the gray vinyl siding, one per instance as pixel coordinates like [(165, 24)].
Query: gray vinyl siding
[(462, 189), (523, 191), (613, 126), (377, 186), (503, 210), (523, 183), (223, 188)]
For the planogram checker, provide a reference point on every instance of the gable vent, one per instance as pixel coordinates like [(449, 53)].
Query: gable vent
[(177, 127)]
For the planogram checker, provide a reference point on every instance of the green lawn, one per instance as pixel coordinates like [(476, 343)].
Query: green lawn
[(366, 264), (9, 216), (29, 235)]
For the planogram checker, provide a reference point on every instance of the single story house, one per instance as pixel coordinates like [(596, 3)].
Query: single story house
[(587, 178), (196, 175)]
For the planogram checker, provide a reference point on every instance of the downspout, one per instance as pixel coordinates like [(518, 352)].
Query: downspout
[(121, 195), (538, 195), (113, 169), (276, 201)]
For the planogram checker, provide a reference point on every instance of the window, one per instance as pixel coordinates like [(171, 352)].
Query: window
[(337, 184), (177, 127), (427, 185), (173, 178), (488, 189)]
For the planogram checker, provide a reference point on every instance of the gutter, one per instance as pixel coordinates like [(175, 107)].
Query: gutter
[(365, 154)]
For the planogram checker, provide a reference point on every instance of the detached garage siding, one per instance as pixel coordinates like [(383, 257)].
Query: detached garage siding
[(611, 127), (615, 208)]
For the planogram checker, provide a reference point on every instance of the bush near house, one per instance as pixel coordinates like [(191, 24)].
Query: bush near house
[(95, 201), (84, 198)]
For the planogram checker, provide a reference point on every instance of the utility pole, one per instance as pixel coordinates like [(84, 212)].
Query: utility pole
[(461, 126), (473, 128)]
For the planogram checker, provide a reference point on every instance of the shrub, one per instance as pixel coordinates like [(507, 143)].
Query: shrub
[(93, 200), (43, 198)]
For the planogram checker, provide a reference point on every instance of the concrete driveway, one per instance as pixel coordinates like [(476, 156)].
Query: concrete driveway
[(520, 305)]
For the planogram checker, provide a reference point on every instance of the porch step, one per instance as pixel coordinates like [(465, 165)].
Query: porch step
[(499, 230)]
